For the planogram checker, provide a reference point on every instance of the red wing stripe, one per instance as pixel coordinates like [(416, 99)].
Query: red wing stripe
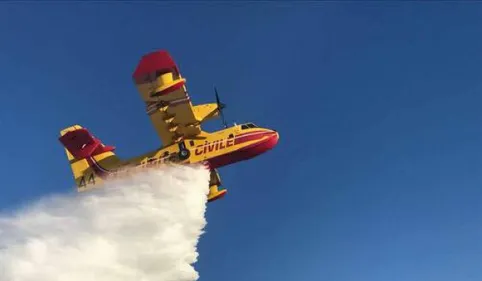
[(179, 101), (171, 89)]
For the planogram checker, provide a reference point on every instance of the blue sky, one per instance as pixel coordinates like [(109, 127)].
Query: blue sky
[(377, 175)]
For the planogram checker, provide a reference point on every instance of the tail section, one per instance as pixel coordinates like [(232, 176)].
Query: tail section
[(89, 158)]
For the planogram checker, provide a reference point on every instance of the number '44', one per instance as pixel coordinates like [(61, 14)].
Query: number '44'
[(91, 180)]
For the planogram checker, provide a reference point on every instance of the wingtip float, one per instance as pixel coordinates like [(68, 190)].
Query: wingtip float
[(178, 124)]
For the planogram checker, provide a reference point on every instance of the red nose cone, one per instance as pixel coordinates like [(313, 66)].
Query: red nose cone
[(246, 152), (263, 146), (272, 141)]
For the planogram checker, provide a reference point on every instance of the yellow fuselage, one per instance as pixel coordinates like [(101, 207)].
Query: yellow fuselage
[(215, 150)]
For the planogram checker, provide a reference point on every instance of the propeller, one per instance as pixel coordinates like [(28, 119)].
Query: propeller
[(221, 106)]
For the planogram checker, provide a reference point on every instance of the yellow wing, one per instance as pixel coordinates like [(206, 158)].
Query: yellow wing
[(167, 101)]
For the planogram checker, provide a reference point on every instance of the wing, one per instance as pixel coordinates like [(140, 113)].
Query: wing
[(167, 101)]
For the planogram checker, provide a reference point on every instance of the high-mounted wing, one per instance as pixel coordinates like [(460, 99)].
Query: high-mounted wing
[(168, 104)]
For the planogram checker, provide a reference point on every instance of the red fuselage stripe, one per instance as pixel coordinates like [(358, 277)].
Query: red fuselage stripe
[(239, 139)]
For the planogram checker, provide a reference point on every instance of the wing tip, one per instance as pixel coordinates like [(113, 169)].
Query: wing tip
[(70, 129), (156, 60)]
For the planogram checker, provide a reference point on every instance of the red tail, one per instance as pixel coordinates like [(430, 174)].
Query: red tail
[(81, 144)]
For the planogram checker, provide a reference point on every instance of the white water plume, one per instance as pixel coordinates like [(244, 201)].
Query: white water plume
[(142, 228)]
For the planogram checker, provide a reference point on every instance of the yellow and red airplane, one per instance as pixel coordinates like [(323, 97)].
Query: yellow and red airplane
[(177, 122)]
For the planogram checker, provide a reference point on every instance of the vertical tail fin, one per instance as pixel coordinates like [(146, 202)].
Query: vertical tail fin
[(89, 158)]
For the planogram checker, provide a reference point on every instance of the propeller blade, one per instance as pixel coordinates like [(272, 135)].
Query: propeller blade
[(221, 106), (218, 101)]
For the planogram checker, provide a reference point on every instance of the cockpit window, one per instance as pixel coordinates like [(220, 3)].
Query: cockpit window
[(248, 126)]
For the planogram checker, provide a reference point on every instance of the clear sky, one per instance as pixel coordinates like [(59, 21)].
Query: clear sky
[(377, 175)]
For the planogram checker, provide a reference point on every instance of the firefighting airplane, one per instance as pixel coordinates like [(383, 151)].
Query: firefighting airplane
[(178, 125)]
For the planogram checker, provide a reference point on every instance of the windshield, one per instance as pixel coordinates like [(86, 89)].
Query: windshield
[(248, 126)]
